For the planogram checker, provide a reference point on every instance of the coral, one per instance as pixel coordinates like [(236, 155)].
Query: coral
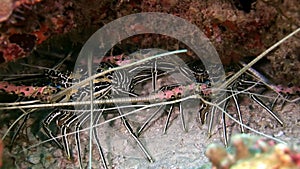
[(286, 63), (236, 28), (243, 29), (24, 24), (249, 152), (226, 26)]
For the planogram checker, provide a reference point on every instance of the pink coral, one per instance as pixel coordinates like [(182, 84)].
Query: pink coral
[(253, 152)]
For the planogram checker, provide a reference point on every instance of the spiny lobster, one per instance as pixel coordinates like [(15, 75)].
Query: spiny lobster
[(124, 83)]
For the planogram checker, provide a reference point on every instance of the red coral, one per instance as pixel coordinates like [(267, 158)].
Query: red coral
[(42, 34), (11, 52), (28, 23)]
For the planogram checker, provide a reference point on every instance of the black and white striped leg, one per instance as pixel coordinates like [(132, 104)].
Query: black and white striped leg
[(95, 132), (179, 105), (168, 118), (182, 117), (19, 128), (66, 142), (224, 129), (82, 119), (283, 102), (78, 145), (224, 126), (235, 100), (202, 113), (275, 101), (154, 75), (141, 129), (225, 136), (273, 114), (64, 132), (134, 136), (238, 111), (211, 121), (47, 121)]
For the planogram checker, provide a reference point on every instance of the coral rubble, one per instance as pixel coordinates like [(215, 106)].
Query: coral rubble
[(252, 152)]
